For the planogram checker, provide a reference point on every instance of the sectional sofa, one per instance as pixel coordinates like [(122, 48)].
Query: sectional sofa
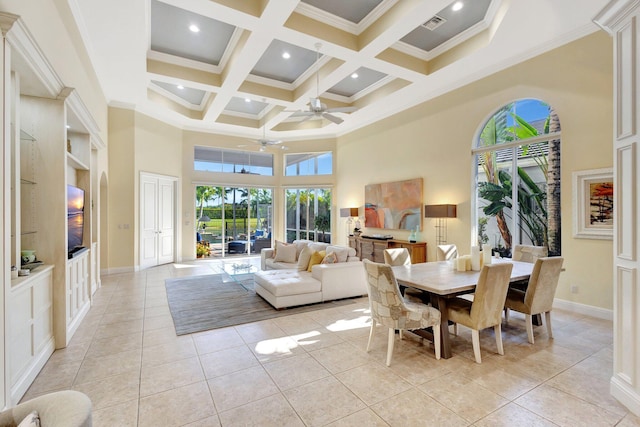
[(287, 279)]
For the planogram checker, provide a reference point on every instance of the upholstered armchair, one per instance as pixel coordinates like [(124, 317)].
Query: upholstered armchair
[(538, 297), (485, 310), (390, 309), (66, 408)]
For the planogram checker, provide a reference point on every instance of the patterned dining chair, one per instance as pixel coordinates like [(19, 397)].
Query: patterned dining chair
[(538, 297), (390, 309), (485, 310)]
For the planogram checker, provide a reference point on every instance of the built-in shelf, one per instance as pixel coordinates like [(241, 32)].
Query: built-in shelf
[(25, 136), (74, 162)]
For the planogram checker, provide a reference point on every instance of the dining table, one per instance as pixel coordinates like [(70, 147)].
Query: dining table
[(443, 281)]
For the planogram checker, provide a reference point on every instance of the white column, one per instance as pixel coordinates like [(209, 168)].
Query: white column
[(620, 19)]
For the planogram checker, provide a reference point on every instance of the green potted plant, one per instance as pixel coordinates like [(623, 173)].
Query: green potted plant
[(202, 250), (322, 223)]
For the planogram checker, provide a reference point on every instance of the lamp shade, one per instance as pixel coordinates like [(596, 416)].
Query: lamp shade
[(204, 218), (349, 212), (440, 211)]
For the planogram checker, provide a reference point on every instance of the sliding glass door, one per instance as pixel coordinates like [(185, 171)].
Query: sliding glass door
[(233, 220), (308, 214)]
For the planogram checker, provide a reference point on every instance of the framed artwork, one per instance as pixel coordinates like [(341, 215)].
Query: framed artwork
[(394, 205), (593, 204)]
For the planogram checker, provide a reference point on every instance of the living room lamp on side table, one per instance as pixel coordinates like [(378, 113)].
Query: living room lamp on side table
[(349, 213), (440, 213)]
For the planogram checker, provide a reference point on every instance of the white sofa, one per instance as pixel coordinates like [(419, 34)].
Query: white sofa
[(283, 284)]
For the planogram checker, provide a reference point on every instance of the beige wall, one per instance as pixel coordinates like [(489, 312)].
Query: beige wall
[(121, 189), (434, 140)]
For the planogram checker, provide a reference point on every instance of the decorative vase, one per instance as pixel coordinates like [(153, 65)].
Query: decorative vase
[(413, 236)]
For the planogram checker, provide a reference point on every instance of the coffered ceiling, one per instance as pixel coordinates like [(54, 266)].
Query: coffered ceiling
[(236, 66)]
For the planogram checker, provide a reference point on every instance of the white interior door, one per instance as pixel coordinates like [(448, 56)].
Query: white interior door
[(166, 221), (157, 220)]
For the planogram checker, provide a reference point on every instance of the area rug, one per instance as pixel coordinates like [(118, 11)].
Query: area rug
[(200, 303)]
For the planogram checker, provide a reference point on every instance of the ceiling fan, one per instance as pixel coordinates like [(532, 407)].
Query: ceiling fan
[(316, 107), (265, 142)]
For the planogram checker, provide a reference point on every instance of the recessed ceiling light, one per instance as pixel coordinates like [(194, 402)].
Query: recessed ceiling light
[(68, 127), (180, 87), (457, 6), (354, 75), (247, 100), (194, 28), (286, 55)]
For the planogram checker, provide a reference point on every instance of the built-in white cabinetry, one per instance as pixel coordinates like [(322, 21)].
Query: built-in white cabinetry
[(50, 141), (30, 326), (78, 290)]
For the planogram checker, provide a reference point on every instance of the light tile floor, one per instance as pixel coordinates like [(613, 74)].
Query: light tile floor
[(312, 369)]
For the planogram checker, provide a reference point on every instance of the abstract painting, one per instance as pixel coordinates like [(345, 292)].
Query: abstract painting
[(593, 204), (394, 205)]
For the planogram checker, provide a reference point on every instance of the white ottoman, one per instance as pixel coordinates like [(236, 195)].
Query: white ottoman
[(286, 288)]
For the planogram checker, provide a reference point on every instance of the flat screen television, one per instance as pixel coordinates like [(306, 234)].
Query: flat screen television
[(75, 218)]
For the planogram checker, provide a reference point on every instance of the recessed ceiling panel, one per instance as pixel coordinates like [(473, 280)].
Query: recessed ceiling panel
[(272, 65), (192, 96), (171, 34), (351, 10), (455, 22), (352, 85), (241, 105)]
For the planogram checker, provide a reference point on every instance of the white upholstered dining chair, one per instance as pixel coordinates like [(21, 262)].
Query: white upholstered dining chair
[(539, 294), (390, 309), (401, 256), (446, 252), (485, 310), (527, 253)]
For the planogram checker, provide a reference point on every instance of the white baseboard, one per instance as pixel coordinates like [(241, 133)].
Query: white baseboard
[(587, 310), (117, 270), (625, 394)]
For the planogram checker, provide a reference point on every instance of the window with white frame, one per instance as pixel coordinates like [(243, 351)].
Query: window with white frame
[(212, 159), (517, 169), (308, 164)]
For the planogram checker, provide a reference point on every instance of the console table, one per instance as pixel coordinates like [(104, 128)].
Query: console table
[(373, 249)]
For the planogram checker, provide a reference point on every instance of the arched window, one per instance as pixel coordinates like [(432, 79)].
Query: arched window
[(517, 171)]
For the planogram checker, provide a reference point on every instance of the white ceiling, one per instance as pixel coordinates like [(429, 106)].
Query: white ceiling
[(234, 80)]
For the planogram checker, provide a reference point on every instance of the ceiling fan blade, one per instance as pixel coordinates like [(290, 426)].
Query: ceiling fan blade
[(335, 119), (302, 114), (308, 117), (342, 110)]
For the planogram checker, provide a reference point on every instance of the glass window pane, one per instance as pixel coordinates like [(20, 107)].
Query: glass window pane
[(304, 164), (212, 159)]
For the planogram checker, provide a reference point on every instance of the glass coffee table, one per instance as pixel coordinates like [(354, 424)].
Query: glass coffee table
[(238, 272)]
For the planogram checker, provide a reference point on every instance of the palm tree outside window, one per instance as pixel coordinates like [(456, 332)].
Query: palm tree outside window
[(517, 169)]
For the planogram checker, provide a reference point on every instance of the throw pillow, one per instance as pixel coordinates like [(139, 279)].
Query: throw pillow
[(316, 258), (286, 253), (278, 244), (342, 252), (303, 259), (31, 420), (330, 258)]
